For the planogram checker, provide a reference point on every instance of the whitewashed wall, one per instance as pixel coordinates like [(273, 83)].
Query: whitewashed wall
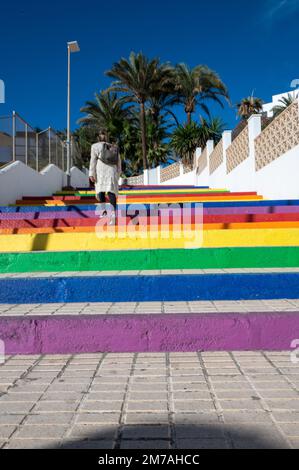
[(18, 180), (242, 178), (79, 179), (280, 179)]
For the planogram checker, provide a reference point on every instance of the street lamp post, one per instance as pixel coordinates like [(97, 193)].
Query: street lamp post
[(72, 46)]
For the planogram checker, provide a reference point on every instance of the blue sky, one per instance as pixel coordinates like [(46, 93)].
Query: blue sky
[(252, 44)]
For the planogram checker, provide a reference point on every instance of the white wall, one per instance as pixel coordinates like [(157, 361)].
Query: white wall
[(218, 177), (18, 180), (279, 179), (243, 177), (183, 180), (79, 179)]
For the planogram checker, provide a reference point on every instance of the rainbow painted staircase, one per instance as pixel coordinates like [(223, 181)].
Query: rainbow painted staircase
[(53, 250)]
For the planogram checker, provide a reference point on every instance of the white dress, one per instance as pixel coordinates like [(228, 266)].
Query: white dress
[(106, 176)]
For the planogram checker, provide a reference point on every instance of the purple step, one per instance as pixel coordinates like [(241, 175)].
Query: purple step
[(206, 211), (72, 334)]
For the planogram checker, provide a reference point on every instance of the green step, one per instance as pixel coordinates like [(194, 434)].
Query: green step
[(203, 258)]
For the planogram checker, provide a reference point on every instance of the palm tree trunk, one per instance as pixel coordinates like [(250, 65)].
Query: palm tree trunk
[(143, 135), (188, 117), (156, 125)]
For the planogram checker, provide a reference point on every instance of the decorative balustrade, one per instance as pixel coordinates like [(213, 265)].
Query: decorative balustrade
[(238, 151), (281, 135), (187, 168), (202, 162), (170, 172), (135, 180), (216, 157)]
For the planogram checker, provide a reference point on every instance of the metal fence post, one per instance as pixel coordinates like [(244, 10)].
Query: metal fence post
[(61, 149), (49, 135), (26, 144), (56, 151), (13, 136), (36, 150)]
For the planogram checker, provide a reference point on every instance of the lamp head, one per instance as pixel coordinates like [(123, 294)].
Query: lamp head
[(73, 46)]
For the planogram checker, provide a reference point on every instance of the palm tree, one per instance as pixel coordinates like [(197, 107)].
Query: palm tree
[(211, 130), (195, 86), (160, 103), (157, 133), (249, 106), (106, 113), (185, 140), (285, 102), (85, 136), (137, 78)]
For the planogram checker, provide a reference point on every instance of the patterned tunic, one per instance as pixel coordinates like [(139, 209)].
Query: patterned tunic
[(106, 176)]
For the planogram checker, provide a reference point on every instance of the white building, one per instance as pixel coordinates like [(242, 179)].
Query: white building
[(267, 108)]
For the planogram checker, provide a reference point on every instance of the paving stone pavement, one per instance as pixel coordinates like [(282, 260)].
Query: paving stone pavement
[(148, 272), (110, 308), (146, 400)]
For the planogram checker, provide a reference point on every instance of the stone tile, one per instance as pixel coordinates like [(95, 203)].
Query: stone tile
[(6, 430), (256, 443), (146, 418), (33, 444), (235, 394), (201, 444), (144, 444), (244, 416), (241, 404), (98, 418), (80, 444), (286, 416), (147, 405), (182, 386), (50, 418), (15, 407), (193, 405), (290, 429), (20, 397), (11, 419), (144, 396), (29, 431), (93, 432), (99, 405), (287, 404), (55, 406), (145, 432), (198, 419), (192, 395), (207, 431)]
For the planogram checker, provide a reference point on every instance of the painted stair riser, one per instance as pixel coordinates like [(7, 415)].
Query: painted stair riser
[(143, 226), (269, 212), (150, 288), (149, 333), (92, 198), (158, 200), (91, 207), (138, 192), (207, 258), (91, 195), (146, 221), (113, 239), (140, 188)]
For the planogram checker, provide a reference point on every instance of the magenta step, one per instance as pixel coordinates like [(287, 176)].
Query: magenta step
[(72, 334), (207, 211)]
